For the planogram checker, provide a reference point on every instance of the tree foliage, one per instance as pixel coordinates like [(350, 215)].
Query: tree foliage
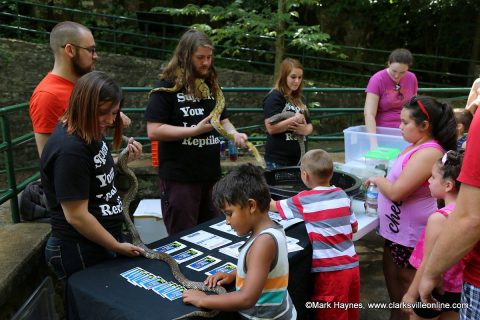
[(256, 24)]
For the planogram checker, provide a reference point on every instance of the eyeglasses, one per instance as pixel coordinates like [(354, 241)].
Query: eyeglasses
[(91, 50), (399, 93)]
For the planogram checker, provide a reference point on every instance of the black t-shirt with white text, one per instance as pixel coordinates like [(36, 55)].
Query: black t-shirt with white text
[(193, 159), (282, 148), (73, 170)]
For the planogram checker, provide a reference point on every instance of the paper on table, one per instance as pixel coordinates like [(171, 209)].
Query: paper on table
[(223, 226), (284, 223), (206, 239), (232, 250), (149, 208), (292, 240), (292, 247)]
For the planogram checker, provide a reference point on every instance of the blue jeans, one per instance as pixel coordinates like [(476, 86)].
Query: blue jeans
[(66, 257)]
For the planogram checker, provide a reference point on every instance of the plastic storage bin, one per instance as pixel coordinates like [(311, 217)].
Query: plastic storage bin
[(373, 150)]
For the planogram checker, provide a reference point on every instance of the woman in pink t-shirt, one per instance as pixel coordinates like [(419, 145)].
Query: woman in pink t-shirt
[(388, 90), (404, 200)]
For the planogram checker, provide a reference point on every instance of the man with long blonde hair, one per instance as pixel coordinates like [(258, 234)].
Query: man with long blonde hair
[(178, 116)]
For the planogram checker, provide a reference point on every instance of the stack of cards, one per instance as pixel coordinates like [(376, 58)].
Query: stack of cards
[(149, 281)]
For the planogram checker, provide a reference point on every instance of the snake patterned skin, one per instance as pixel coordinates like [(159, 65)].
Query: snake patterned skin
[(151, 254), (216, 112), (283, 116)]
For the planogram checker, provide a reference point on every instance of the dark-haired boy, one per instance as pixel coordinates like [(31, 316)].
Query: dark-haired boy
[(261, 277)]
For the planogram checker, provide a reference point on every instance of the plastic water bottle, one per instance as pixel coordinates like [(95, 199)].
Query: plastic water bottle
[(371, 202), (223, 149), (232, 151)]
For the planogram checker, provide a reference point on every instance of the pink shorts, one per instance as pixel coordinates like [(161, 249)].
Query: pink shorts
[(335, 289)]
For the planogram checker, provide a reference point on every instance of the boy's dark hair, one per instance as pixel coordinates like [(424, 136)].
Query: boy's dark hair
[(242, 183), (318, 163), (463, 117), (450, 165)]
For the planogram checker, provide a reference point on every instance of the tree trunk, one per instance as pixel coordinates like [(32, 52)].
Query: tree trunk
[(280, 39)]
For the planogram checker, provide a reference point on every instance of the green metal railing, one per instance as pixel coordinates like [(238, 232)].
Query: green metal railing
[(9, 141), (154, 39)]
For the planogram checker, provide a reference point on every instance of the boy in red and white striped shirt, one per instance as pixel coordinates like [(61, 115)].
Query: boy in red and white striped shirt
[(330, 224)]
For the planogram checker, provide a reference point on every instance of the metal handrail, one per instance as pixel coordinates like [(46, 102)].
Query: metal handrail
[(115, 31), (8, 143)]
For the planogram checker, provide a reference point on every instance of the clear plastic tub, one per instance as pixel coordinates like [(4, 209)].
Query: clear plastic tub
[(365, 148)]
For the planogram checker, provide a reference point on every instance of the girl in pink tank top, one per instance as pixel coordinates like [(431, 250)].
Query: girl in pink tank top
[(443, 185), (404, 201)]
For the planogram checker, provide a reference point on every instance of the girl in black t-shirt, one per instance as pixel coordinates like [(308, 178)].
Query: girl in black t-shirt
[(282, 148), (77, 176)]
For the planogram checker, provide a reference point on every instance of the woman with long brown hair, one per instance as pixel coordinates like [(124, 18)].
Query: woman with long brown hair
[(282, 148)]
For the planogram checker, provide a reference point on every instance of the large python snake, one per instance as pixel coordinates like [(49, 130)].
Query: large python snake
[(286, 115), (151, 254), (204, 90)]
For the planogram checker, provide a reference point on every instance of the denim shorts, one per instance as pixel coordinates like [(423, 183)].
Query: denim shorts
[(66, 257)]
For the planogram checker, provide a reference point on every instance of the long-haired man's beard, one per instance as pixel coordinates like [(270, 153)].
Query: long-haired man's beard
[(201, 72), (78, 69)]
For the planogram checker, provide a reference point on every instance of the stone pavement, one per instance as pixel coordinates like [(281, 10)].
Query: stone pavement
[(372, 283)]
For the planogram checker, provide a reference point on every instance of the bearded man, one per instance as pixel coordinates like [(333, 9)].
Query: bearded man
[(75, 54), (178, 116)]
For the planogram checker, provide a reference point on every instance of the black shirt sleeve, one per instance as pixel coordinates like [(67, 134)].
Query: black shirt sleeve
[(273, 104)]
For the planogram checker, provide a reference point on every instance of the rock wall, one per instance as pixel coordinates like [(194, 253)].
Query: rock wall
[(24, 64)]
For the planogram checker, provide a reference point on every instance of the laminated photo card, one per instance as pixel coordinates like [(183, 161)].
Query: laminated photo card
[(225, 268), (187, 255), (204, 263), (171, 247)]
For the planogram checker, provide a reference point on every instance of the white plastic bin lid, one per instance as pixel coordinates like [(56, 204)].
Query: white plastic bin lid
[(149, 208)]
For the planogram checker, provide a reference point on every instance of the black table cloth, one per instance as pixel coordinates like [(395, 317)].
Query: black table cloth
[(100, 292)]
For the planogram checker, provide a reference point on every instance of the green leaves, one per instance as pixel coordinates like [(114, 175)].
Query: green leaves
[(256, 25)]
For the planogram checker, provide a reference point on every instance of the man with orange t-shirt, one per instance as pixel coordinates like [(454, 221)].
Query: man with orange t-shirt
[(75, 54)]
